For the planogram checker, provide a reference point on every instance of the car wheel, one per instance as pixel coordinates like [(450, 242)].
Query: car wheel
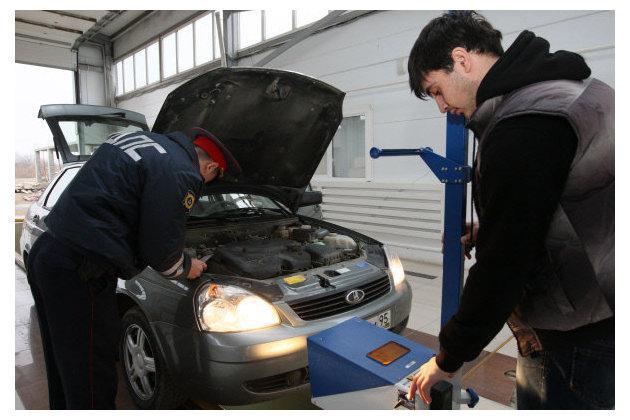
[(147, 378)]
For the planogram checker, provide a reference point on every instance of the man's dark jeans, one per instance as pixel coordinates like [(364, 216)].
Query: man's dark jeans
[(79, 325), (573, 378)]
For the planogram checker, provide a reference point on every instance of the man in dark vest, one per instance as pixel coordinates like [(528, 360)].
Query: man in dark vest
[(543, 188), (123, 211)]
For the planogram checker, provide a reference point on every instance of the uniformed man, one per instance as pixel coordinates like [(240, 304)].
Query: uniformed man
[(124, 210)]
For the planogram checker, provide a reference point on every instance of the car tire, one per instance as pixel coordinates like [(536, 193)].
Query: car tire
[(147, 378), (400, 327)]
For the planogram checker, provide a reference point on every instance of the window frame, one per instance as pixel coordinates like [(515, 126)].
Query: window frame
[(294, 27), (191, 21), (362, 110)]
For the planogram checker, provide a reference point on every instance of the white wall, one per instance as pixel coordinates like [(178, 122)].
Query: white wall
[(91, 75), (367, 59)]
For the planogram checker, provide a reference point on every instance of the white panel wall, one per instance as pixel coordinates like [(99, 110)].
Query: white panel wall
[(367, 59), (44, 54), (91, 75), (149, 103)]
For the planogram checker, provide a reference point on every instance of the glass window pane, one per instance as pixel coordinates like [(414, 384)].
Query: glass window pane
[(185, 48), (215, 38), (277, 22), (119, 78), (60, 186), (203, 40), (169, 57), (349, 148), (153, 63), (306, 16), (85, 136), (249, 28), (140, 63), (128, 70), (322, 168)]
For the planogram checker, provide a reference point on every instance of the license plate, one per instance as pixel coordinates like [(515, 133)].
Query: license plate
[(383, 320)]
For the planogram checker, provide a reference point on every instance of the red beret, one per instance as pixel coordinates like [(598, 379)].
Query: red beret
[(212, 150), (215, 149)]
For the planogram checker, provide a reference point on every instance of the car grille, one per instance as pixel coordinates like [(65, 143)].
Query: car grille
[(335, 303), (279, 382)]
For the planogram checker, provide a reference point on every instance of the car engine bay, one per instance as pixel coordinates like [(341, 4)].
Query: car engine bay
[(264, 251)]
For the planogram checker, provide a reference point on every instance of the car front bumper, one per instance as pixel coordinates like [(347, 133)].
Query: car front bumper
[(249, 367)]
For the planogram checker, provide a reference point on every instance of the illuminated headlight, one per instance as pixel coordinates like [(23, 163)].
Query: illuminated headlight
[(396, 270), (222, 308)]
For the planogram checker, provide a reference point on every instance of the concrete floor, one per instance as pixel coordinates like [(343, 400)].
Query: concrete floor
[(490, 381)]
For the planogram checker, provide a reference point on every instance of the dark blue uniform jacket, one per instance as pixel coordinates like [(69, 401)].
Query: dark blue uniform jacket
[(129, 203)]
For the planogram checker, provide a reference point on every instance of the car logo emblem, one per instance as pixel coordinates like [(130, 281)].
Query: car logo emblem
[(355, 296)]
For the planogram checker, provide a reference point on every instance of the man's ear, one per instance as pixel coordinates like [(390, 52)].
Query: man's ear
[(213, 168), (462, 59)]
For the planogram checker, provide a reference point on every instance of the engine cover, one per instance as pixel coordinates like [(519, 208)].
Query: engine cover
[(263, 258)]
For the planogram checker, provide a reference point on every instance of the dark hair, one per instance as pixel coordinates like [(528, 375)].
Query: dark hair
[(432, 50)]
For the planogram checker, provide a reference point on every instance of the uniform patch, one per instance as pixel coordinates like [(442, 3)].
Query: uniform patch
[(189, 200)]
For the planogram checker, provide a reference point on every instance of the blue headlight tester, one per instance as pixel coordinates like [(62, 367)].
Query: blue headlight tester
[(356, 365)]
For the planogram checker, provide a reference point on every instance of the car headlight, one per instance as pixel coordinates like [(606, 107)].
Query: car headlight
[(396, 270), (222, 308)]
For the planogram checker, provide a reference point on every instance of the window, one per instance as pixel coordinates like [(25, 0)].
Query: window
[(348, 151), (169, 55), (345, 157), (222, 205), (153, 63), (249, 28), (306, 16), (62, 182), (128, 73), (185, 58), (203, 39), (140, 64), (119, 78), (85, 136), (278, 22)]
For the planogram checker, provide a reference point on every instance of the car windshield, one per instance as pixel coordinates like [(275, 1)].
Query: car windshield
[(85, 136), (213, 206)]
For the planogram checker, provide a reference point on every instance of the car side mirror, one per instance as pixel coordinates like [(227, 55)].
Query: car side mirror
[(311, 198)]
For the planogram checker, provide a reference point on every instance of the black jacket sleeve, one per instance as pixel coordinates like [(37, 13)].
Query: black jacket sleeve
[(163, 220), (523, 168)]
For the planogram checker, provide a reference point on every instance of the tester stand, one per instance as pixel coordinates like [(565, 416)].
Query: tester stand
[(356, 365)]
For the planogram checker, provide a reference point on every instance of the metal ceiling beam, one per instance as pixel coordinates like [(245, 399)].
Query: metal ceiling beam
[(41, 40), (46, 25), (301, 36), (71, 15), (95, 29)]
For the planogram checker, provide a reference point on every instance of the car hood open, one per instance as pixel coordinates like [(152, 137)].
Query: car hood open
[(277, 124)]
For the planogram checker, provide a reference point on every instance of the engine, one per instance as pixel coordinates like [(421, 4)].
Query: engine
[(282, 250)]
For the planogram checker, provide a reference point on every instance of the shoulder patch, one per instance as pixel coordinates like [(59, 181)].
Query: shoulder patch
[(189, 200)]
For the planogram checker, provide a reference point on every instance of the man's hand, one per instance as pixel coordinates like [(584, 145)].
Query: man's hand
[(196, 268), (468, 241), (422, 382)]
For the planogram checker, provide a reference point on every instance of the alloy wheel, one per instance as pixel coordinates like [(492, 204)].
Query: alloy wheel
[(139, 362)]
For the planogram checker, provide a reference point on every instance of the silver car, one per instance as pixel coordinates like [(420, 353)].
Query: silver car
[(237, 335)]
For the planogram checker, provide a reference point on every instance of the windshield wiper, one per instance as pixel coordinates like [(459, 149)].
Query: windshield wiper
[(250, 211)]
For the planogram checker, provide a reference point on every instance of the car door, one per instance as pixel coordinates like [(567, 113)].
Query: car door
[(34, 222)]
